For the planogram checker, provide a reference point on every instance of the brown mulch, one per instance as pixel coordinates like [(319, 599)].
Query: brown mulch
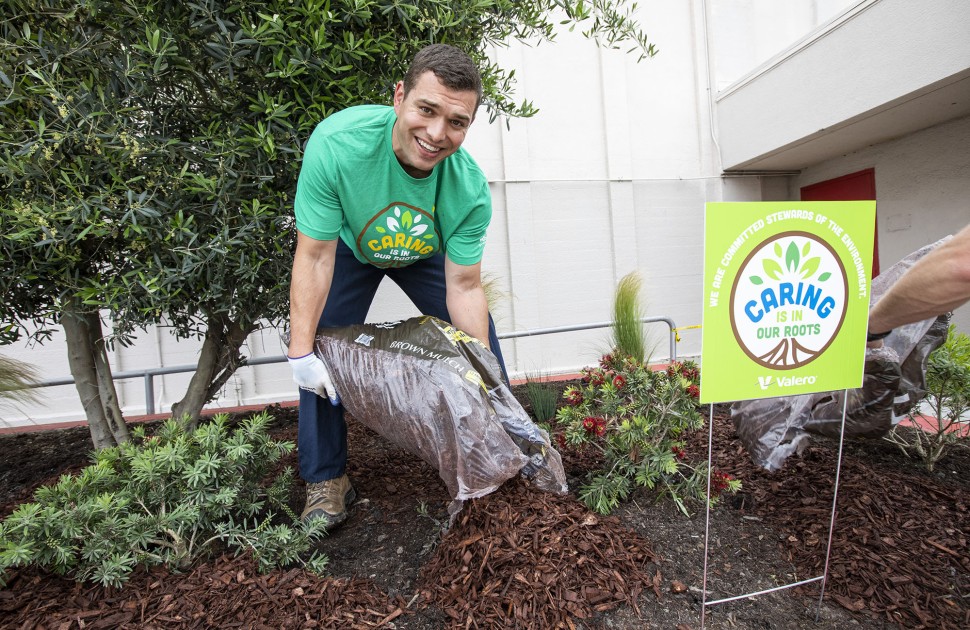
[(523, 558), (900, 550), (225, 593)]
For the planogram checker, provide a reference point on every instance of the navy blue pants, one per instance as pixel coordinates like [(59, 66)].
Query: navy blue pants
[(322, 439)]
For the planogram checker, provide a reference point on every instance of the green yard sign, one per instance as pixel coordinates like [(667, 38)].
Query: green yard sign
[(786, 297)]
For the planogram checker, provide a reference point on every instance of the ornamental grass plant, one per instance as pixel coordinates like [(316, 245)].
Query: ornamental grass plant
[(166, 499), (542, 397), (627, 329), (16, 381)]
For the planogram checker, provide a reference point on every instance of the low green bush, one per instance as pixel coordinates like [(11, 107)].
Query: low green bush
[(638, 419), (165, 499), (947, 399)]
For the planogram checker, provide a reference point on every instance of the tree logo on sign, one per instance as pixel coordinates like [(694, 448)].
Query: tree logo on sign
[(788, 301)]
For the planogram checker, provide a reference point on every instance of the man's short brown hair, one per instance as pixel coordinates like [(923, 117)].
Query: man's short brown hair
[(453, 67)]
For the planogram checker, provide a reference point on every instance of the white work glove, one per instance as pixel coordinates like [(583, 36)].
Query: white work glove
[(310, 373)]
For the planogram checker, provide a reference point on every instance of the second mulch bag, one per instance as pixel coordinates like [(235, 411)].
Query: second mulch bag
[(439, 394)]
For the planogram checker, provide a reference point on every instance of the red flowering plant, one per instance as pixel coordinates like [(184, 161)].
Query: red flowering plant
[(638, 418)]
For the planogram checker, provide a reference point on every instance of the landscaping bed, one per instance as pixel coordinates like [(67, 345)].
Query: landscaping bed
[(520, 558)]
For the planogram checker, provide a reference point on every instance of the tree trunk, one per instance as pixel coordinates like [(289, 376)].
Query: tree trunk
[(92, 376), (106, 384), (218, 361)]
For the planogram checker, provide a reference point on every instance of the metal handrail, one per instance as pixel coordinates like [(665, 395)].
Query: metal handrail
[(644, 320), (149, 374)]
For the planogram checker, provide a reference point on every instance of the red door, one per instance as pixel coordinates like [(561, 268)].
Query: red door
[(851, 187)]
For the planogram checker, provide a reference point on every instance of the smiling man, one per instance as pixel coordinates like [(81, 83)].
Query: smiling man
[(384, 192)]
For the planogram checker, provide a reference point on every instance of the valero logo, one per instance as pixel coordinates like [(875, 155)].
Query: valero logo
[(788, 301)]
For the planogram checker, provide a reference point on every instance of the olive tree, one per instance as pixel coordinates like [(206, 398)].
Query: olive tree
[(149, 152)]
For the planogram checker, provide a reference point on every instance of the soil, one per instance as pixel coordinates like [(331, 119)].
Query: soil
[(520, 558)]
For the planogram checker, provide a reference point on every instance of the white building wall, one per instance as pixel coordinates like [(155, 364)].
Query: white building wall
[(873, 73), (922, 190), (610, 177), (766, 28)]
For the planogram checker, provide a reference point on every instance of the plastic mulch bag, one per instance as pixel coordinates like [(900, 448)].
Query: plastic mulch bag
[(439, 394), (894, 379)]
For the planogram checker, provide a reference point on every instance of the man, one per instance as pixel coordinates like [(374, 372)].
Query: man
[(384, 192), (938, 283)]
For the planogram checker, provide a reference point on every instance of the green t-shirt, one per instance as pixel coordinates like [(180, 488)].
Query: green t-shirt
[(352, 185)]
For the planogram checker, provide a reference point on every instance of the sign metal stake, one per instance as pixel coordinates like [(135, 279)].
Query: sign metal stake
[(707, 526)]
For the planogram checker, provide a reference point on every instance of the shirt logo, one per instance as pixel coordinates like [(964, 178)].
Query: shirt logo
[(364, 339), (398, 235)]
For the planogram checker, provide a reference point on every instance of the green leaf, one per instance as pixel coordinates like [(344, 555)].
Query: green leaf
[(772, 268), (825, 276), (810, 267), (757, 280), (792, 257)]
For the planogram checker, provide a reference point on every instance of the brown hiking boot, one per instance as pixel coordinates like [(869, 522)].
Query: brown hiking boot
[(329, 500)]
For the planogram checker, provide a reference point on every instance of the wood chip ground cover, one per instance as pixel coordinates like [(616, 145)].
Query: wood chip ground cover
[(519, 558)]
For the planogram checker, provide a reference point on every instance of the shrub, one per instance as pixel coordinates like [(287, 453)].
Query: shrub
[(638, 418), (948, 399), (164, 499)]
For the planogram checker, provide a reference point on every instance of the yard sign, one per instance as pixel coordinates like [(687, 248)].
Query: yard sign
[(786, 297)]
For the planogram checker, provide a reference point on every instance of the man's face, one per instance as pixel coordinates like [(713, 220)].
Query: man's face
[(432, 121)]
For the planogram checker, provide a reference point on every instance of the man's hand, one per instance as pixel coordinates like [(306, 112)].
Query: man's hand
[(465, 299), (937, 283), (311, 374)]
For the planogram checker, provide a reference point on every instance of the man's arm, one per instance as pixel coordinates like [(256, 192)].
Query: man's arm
[(465, 298), (938, 283), (310, 285)]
